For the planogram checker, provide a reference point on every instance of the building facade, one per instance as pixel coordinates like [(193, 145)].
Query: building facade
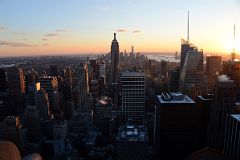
[(82, 86), (175, 125), (192, 76), (133, 96), (114, 60)]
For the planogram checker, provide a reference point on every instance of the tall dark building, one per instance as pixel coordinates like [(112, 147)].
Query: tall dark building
[(132, 142), (185, 48), (93, 69), (68, 76), (82, 86), (31, 93), (3, 82), (163, 67), (175, 126), (15, 131), (50, 84), (232, 137), (42, 103), (213, 69), (33, 124), (192, 79), (174, 80), (223, 104), (213, 65), (16, 82), (67, 89), (204, 106), (232, 69), (114, 60)]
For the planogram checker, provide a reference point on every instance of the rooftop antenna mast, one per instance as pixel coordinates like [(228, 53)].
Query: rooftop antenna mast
[(234, 33), (188, 28), (233, 55)]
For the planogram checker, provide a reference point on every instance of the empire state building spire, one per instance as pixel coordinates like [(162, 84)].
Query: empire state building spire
[(115, 37), (114, 60)]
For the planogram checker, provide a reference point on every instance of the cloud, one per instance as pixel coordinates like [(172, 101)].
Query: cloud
[(16, 44), (18, 33), (61, 30), (45, 44), (103, 8), (24, 39), (121, 30), (2, 28), (44, 39), (51, 34), (136, 31)]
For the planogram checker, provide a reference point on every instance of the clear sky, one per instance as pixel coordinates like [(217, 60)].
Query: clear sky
[(33, 27)]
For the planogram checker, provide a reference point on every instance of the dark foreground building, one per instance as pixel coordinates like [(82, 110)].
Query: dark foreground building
[(175, 132), (132, 142)]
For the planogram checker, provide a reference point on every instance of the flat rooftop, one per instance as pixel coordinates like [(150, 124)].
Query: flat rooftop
[(132, 74), (236, 116), (174, 97), (132, 133)]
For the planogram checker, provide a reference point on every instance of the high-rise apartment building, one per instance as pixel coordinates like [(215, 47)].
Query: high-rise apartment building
[(93, 70), (102, 69), (32, 89), (16, 84), (33, 124), (16, 80), (133, 96), (50, 84), (42, 103), (15, 132), (68, 76), (82, 86), (94, 88), (81, 123)]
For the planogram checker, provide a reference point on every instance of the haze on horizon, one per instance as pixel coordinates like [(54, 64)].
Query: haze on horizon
[(78, 26)]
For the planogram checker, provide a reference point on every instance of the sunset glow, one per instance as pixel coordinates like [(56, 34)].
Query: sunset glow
[(72, 27)]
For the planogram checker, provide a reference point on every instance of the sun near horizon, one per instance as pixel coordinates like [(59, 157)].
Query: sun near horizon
[(78, 27)]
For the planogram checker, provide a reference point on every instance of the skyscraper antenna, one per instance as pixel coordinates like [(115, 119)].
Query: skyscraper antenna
[(188, 27), (234, 33), (233, 54)]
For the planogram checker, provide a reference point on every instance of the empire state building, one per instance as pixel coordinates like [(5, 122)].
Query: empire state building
[(114, 60)]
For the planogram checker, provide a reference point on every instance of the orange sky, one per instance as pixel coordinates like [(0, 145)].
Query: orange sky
[(85, 27)]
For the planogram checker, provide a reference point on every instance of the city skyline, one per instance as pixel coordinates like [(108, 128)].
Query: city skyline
[(75, 27), (120, 105)]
